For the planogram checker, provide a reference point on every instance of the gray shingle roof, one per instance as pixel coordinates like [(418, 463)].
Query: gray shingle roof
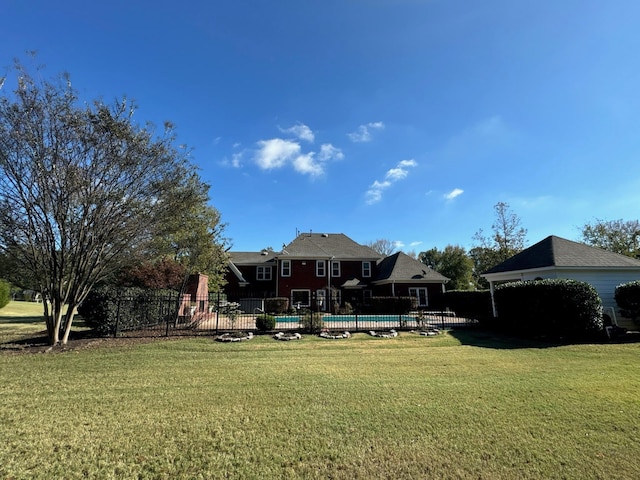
[(558, 252), (326, 245), (251, 258), (400, 267)]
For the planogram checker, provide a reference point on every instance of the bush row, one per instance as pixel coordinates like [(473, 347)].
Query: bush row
[(553, 307), (109, 310), (392, 305), (474, 304), (627, 297)]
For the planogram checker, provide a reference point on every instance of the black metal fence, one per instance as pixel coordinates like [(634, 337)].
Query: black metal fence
[(172, 315)]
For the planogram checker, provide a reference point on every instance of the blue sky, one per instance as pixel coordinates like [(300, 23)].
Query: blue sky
[(404, 120)]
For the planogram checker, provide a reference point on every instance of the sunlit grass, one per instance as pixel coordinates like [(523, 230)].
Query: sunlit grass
[(462, 405), (21, 319)]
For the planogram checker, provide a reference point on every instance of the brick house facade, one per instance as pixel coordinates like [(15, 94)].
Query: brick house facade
[(325, 271)]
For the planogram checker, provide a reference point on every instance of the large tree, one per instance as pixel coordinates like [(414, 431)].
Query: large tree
[(194, 235), (508, 238), (617, 236), (83, 189), (383, 246), (452, 262)]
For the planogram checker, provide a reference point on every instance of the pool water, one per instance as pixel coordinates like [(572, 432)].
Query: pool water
[(351, 318)]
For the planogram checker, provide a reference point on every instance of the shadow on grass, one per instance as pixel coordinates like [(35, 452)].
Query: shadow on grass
[(491, 339), (488, 339), (28, 320)]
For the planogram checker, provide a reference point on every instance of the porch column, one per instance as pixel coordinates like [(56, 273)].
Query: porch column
[(493, 301)]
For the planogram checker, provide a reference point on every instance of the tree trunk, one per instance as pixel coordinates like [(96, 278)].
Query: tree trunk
[(69, 320)]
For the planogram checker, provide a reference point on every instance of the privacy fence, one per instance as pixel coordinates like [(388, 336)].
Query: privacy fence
[(145, 313)]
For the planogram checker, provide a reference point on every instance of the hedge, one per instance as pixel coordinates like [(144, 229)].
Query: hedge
[(109, 310), (474, 304), (554, 307), (276, 305), (393, 305), (627, 297)]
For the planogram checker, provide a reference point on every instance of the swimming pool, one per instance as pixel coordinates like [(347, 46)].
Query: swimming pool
[(351, 318), (288, 319), (369, 318)]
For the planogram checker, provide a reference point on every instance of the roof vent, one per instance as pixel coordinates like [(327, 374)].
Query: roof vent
[(325, 235)]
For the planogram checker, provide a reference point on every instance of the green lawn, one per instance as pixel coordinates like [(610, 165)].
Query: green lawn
[(461, 405), (21, 319)]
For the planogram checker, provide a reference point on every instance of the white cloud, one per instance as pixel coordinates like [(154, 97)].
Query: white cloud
[(407, 163), (456, 192), (374, 193), (236, 160), (305, 164), (363, 132), (300, 131), (415, 244), (278, 153), (287, 152), (275, 153), (329, 152)]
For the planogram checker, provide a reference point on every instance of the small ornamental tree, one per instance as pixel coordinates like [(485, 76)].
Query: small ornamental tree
[(627, 297), (83, 189)]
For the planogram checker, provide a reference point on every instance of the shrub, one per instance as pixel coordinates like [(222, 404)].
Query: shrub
[(108, 310), (556, 308), (5, 293), (393, 305), (470, 304), (265, 322), (312, 321), (627, 297), (276, 305)]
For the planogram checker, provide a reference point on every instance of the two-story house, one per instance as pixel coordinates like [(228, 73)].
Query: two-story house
[(322, 270)]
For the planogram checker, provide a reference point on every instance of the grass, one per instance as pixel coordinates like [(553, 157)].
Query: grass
[(461, 405), (19, 320), (23, 320)]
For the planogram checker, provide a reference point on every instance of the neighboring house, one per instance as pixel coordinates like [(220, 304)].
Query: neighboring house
[(555, 257), (322, 270)]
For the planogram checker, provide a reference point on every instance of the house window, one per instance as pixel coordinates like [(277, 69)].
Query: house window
[(421, 295), (321, 271), (367, 295), (301, 298), (366, 269), (264, 273), (285, 268), (335, 269)]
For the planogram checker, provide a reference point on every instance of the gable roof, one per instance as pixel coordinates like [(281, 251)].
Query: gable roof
[(401, 268), (327, 245), (558, 252)]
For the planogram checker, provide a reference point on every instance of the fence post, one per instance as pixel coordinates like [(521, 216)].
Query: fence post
[(115, 330), (217, 310), (168, 302)]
